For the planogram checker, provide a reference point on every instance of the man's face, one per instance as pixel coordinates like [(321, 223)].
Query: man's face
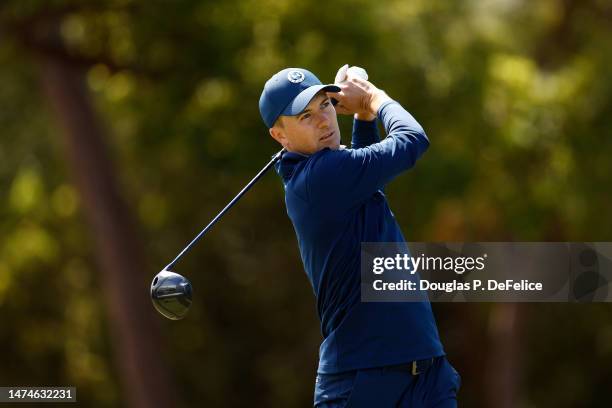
[(315, 128)]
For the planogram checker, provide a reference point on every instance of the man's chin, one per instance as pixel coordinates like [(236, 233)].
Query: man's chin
[(334, 145)]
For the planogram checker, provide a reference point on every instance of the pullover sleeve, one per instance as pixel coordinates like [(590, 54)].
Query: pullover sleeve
[(365, 133), (346, 177)]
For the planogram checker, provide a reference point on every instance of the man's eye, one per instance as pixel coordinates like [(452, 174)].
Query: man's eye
[(305, 116), (325, 104)]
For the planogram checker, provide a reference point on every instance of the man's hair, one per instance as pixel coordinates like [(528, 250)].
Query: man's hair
[(279, 122)]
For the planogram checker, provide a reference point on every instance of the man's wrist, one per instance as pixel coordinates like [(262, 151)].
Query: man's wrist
[(376, 101), (365, 116)]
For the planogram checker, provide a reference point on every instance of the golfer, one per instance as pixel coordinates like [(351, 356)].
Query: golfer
[(374, 354)]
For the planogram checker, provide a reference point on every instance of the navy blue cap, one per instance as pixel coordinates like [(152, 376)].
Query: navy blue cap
[(288, 93)]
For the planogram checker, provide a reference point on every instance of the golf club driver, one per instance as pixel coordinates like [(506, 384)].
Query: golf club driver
[(171, 292)]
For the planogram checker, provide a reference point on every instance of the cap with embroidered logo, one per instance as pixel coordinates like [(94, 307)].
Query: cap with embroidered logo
[(288, 93)]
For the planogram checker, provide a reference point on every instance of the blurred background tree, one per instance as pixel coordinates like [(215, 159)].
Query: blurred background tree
[(514, 95)]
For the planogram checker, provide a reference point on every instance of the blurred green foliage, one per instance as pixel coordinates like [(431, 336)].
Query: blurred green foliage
[(516, 97)]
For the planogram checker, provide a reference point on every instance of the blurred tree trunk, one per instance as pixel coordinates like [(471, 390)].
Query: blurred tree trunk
[(502, 382), (134, 330)]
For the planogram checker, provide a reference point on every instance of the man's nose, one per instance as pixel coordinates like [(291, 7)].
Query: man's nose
[(323, 120)]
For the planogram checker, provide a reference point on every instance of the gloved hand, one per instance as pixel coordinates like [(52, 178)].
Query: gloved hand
[(357, 93), (345, 73)]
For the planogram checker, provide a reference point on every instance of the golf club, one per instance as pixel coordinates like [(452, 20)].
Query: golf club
[(171, 292)]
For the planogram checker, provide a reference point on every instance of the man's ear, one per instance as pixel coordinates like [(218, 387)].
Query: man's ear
[(279, 135)]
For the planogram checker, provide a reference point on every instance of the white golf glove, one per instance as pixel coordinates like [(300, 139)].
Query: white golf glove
[(345, 72)]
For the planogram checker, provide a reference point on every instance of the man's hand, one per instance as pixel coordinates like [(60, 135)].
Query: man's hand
[(360, 97)]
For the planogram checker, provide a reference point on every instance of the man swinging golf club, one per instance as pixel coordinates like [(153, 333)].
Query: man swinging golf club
[(374, 354)]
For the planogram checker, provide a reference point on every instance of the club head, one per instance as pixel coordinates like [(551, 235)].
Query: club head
[(171, 294)]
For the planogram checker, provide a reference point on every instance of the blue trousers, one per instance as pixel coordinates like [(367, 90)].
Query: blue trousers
[(387, 387)]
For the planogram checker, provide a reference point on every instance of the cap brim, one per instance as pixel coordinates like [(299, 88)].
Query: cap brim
[(300, 102)]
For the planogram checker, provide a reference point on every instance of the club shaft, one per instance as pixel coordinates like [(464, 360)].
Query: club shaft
[(246, 188)]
